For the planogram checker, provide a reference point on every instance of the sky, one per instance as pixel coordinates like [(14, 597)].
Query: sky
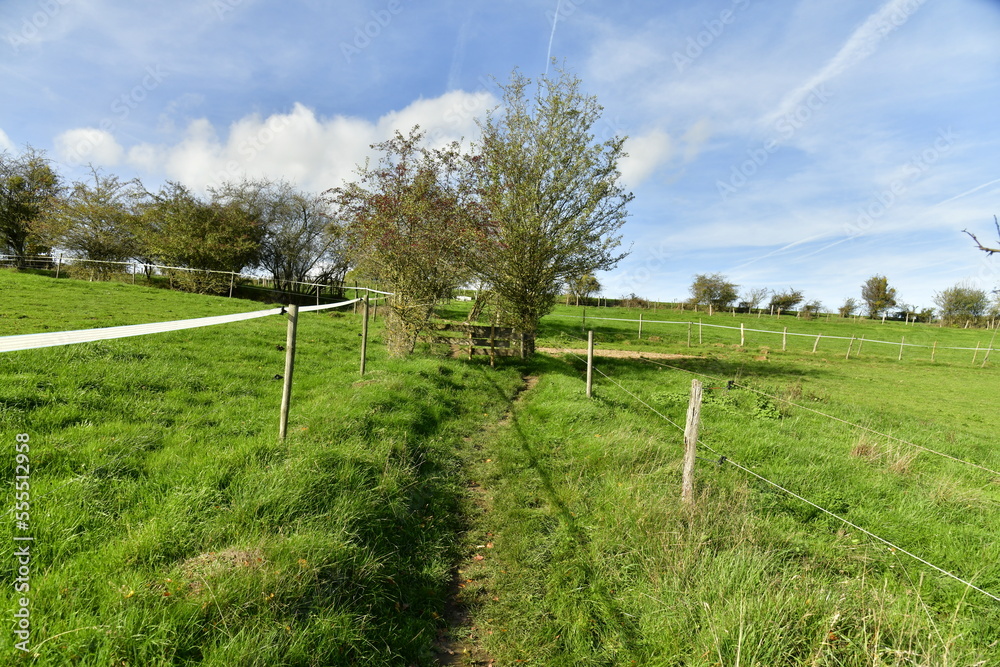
[(801, 144)]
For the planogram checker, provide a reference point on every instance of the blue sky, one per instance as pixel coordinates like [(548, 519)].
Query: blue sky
[(800, 143)]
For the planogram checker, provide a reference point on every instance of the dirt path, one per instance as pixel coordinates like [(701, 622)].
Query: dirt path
[(460, 642)]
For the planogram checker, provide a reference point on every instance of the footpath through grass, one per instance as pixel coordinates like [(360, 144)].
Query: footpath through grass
[(171, 526), (595, 561)]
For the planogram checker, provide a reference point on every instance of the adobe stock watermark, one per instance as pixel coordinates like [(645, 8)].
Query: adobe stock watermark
[(224, 7), (783, 130), (565, 10), (882, 201), (32, 26), (652, 261), (368, 32), (22, 541), (121, 107), (714, 28)]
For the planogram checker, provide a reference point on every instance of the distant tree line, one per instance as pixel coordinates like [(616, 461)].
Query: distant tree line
[(960, 304)]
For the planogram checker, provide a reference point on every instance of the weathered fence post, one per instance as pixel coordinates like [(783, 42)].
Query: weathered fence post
[(286, 393), (691, 442), (933, 350), (699, 332), (640, 326), (590, 363), (784, 339), (364, 336), (976, 353), (860, 343), (743, 339), (689, 334), (901, 343), (851, 345), (583, 324), (232, 283), (58, 265), (989, 349), (816, 344)]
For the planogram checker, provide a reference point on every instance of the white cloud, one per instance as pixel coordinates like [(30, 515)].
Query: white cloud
[(89, 145), (5, 143), (313, 152), (645, 154)]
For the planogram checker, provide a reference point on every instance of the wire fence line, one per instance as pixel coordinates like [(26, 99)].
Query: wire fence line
[(834, 418), (781, 333), (893, 547), (50, 260)]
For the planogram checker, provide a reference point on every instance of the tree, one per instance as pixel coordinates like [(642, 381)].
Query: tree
[(812, 309), (786, 300), (754, 297), (583, 286), (95, 221), (219, 235), (962, 302), (27, 185), (299, 232), (411, 220), (551, 192), (877, 295), (848, 309), (713, 290)]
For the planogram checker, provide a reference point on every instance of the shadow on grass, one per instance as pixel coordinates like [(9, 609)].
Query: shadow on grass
[(589, 587)]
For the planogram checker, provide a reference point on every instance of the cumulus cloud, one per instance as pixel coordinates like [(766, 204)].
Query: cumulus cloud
[(5, 143), (313, 152), (89, 145)]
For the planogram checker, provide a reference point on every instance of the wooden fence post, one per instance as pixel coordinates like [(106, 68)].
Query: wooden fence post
[(860, 343), (851, 345), (699, 331), (232, 283), (742, 335), (286, 393), (989, 349), (583, 324), (58, 265), (640, 326), (816, 344), (691, 442), (975, 354), (901, 343), (784, 339), (689, 334), (364, 336), (590, 363)]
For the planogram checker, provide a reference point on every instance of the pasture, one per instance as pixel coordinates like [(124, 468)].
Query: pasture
[(171, 526)]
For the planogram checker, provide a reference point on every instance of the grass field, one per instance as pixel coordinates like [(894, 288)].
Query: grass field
[(172, 527)]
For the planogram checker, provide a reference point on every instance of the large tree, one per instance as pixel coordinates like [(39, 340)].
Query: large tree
[(787, 299), (27, 186), (95, 220), (713, 289), (411, 222), (877, 295), (552, 193), (300, 237), (217, 235)]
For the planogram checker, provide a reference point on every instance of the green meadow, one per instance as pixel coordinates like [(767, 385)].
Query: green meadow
[(172, 527)]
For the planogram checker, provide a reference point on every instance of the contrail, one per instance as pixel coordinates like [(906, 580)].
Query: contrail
[(555, 19)]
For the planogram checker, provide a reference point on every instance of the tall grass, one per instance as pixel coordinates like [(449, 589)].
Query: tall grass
[(172, 527)]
